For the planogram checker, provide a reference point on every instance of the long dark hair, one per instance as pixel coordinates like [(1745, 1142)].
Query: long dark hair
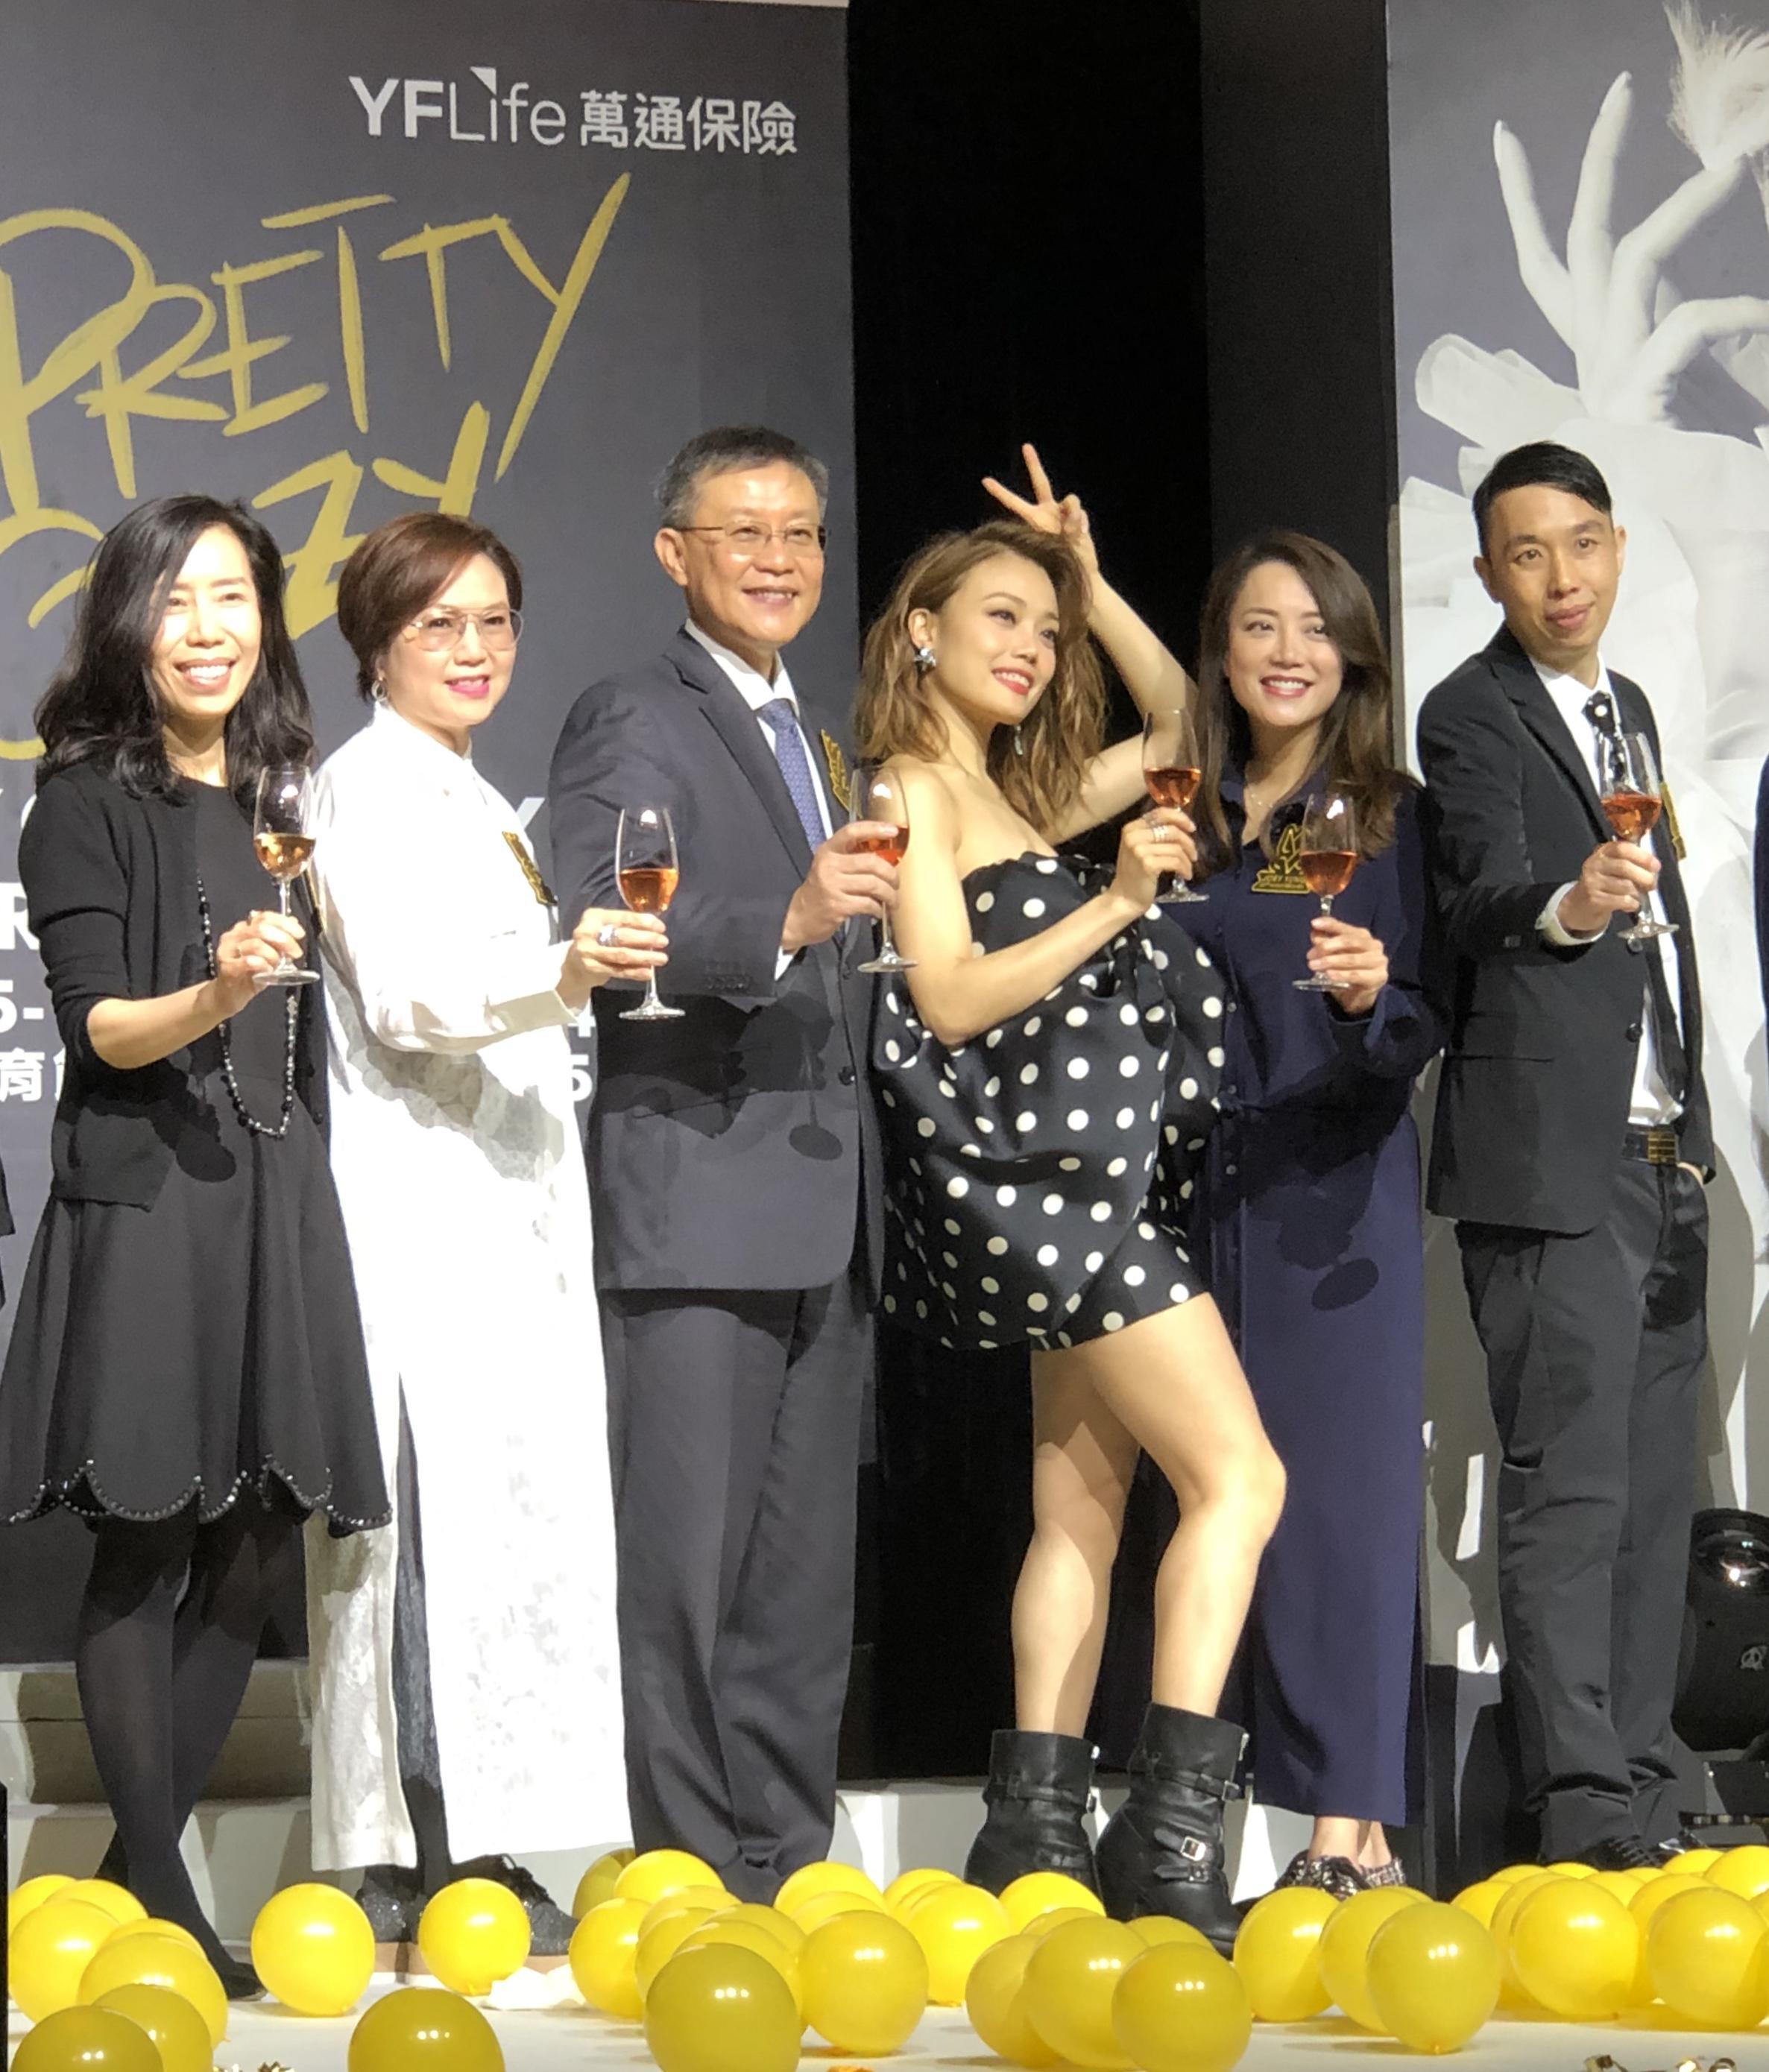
[(1355, 752), (101, 706), (892, 717)]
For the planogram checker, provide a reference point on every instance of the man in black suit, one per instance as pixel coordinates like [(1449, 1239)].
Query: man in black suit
[(734, 1166), (1572, 1145)]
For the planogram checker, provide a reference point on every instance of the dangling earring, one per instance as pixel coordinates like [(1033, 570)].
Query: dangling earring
[(1019, 745), (924, 658), (377, 690)]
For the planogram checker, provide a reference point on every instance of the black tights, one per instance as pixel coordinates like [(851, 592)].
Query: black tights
[(169, 1630)]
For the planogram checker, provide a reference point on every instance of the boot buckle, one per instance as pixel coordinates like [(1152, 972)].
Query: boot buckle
[(1195, 1851)]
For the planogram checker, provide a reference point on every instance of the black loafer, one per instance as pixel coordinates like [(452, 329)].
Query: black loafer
[(1620, 1852)]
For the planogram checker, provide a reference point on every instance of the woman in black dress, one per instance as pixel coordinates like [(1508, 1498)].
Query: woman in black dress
[(186, 1369), (1047, 1079)]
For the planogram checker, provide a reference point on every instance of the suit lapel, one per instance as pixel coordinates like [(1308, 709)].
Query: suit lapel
[(737, 727), (1540, 715)]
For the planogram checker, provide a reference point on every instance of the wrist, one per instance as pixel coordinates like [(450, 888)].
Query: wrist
[(1124, 908), (577, 982)]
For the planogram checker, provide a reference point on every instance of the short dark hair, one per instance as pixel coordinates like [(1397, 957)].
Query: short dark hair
[(398, 569), (722, 451), (101, 706), (1544, 464)]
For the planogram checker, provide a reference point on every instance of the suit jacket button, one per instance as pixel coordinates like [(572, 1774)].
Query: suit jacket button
[(845, 1076), (1634, 1032)]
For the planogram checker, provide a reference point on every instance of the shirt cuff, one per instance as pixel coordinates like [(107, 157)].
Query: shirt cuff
[(783, 963), (1551, 925)]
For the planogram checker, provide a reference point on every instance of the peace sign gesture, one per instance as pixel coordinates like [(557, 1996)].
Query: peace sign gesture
[(1065, 516)]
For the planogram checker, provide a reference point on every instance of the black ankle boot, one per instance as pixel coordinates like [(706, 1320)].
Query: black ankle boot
[(1039, 1788), (1162, 1852)]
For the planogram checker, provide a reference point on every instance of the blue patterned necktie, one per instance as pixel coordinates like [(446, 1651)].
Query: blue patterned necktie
[(782, 720)]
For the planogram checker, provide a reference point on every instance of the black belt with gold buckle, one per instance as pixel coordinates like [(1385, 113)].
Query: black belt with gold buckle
[(1658, 1146)]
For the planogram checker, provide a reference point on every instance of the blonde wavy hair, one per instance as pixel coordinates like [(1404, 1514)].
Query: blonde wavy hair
[(1065, 729)]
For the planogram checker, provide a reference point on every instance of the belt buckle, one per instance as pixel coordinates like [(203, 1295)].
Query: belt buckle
[(1661, 1146)]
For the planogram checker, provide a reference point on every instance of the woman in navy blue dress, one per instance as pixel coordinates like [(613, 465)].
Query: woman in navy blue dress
[(1309, 1194)]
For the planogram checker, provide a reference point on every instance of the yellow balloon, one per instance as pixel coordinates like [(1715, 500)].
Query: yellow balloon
[(1744, 1871), (1695, 1863), (1514, 1873), (1503, 1914), (725, 1931), (1571, 1868), (159, 1960), (657, 1946), (1071, 1977), (1642, 1906), (784, 1930), (32, 1894), (174, 2028), (1479, 1900), (691, 1899), (864, 1981), (906, 1883), (1344, 1948), (1707, 1960), (1043, 1892), (1575, 1948), (658, 1871), (954, 1924), (603, 1957), (995, 2001), (1183, 2008), (314, 1949), (49, 1952), (472, 1933), (112, 1899), (152, 1925), (1153, 1929), (1433, 1973), (1276, 1953), (83, 2039), (598, 1882), (419, 2030), (722, 2008), (810, 1879), (810, 1914), (1042, 1925), (1618, 1884)]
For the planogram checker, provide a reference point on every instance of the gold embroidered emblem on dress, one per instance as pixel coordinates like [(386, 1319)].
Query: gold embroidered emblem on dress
[(1671, 827), (1284, 872), (537, 885), (837, 765)]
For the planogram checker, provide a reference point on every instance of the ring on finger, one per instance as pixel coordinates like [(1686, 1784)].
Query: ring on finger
[(608, 935)]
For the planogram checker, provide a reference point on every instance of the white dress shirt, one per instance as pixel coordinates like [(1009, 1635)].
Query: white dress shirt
[(1653, 1103)]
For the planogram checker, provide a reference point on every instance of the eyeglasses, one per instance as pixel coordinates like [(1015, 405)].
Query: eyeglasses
[(439, 632), (746, 541)]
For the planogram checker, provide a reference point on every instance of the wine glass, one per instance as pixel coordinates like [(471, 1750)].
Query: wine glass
[(1171, 771), (876, 796), (1631, 803), (646, 871), (1327, 857), (282, 834)]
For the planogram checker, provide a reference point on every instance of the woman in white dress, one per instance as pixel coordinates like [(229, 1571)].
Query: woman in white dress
[(466, 1698)]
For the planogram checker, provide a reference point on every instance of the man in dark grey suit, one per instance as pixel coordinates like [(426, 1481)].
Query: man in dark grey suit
[(734, 1166)]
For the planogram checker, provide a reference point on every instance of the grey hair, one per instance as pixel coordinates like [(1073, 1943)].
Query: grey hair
[(723, 450)]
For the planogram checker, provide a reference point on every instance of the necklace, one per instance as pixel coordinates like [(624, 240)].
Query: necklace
[(291, 1010)]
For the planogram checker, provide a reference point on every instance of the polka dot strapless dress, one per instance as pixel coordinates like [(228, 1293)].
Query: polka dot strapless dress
[(1039, 1177)]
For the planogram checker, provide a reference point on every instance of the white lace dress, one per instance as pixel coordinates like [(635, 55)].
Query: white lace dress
[(458, 1165)]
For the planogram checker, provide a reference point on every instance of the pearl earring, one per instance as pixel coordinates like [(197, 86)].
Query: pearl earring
[(924, 658)]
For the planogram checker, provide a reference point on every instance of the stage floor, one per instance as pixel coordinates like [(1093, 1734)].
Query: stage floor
[(540, 2040)]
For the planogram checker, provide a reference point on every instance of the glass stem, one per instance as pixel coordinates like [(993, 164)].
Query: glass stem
[(886, 941), (1327, 906), (288, 962), (650, 990)]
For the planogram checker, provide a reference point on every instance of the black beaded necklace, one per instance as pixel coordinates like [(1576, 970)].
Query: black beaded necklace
[(291, 1010)]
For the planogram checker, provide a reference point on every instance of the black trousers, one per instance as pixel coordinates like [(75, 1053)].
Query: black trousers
[(734, 1433), (1595, 1347)]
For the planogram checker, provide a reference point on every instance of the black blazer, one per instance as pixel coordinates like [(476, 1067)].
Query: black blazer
[(1533, 1099), (737, 1147), (111, 882)]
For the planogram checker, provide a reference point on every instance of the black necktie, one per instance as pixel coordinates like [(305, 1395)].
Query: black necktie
[(1667, 1036)]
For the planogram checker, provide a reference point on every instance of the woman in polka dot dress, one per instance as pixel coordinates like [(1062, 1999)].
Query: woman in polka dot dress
[(1046, 1073)]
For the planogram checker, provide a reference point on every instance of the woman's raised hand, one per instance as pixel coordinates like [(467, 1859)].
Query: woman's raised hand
[(611, 942), (1150, 845), (250, 947), (1065, 516)]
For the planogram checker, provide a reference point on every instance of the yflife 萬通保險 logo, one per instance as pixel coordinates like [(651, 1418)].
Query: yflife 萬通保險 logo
[(479, 109)]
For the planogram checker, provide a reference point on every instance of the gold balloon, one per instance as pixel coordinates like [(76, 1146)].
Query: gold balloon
[(810, 1879), (660, 1871), (1042, 1891), (1042, 1925), (32, 1894), (810, 1914), (598, 1882), (1277, 1953), (1344, 1948), (1513, 1993), (1571, 1868), (1180, 2008), (995, 2001), (159, 1960), (1153, 1929), (152, 1925), (954, 1924), (85, 2039), (1695, 1863), (1744, 1871), (1642, 1906), (1514, 1873), (1618, 1884), (907, 1883), (1575, 1948), (119, 1903), (174, 2028), (1479, 1900), (1069, 1980), (727, 1931), (1707, 1960), (722, 2008), (784, 1930), (691, 1899), (864, 1982), (1433, 1973), (419, 2030), (656, 1946), (49, 1951), (603, 1957), (472, 1933), (314, 1949)]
